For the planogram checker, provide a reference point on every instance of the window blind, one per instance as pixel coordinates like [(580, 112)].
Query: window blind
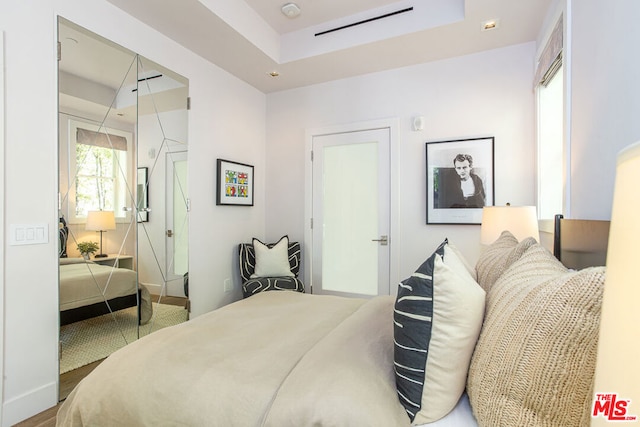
[(100, 139), (551, 57)]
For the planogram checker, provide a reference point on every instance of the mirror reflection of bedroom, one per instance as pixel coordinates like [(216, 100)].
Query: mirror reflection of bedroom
[(123, 202)]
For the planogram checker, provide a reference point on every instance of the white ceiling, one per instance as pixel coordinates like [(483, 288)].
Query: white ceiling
[(248, 38)]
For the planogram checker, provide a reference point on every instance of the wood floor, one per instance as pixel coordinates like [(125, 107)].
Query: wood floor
[(43, 419), (70, 379)]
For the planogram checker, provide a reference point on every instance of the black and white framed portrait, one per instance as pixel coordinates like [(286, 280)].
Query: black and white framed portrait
[(460, 179)]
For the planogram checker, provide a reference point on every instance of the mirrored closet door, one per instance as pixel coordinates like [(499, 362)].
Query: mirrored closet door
[(123, 203)]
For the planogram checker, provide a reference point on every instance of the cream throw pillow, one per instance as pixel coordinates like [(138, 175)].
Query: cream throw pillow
[(274, 261), (535, 359), (498, 256)]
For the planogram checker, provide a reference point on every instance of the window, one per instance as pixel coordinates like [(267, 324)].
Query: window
[(550, 146), (549, 82), (100, 163)]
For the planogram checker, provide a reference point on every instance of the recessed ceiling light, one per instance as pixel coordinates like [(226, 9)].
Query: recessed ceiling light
[(491, 24), (290, 10)]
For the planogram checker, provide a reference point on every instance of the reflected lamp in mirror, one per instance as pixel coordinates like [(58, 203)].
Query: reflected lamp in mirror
[(521, 221), (617, 368), (101, 221)]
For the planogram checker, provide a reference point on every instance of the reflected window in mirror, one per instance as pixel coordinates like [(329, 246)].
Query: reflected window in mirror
[(100, 161)]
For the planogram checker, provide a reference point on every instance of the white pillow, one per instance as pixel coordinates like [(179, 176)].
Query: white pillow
[(457, 260), (274, 261)]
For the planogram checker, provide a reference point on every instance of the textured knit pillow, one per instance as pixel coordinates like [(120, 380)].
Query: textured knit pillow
[(272, 261), (535, 359), (498, 256), (437, 319)]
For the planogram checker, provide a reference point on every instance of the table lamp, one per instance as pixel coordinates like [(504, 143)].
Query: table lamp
[(521, 221), (617, 377), (100, 221)]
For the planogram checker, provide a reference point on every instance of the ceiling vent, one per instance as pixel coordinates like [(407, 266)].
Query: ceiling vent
[(365, 21)]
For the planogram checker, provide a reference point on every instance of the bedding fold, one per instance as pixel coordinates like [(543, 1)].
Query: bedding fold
[(347, 378)]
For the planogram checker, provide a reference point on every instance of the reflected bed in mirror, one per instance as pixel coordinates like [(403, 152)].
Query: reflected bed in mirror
[(119, 286)]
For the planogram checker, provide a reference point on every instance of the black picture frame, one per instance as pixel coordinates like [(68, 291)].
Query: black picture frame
[(235, 183), (446, 201), (142, 194)]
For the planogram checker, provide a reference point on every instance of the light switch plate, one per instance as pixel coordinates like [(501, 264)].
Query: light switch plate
[(28, 234)]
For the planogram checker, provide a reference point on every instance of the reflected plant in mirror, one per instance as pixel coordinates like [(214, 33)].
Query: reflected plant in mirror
[(119, 113)]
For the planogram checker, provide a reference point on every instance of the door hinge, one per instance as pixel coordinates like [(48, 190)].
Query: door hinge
[(188, 205), (312, 155), (59, 53), (188, 103), (312, 223)]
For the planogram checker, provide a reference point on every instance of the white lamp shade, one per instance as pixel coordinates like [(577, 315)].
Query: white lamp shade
[(618, 362), (521, 221), (100, 221)]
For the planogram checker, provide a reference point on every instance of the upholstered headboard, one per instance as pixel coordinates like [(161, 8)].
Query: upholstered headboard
[(580, 243)]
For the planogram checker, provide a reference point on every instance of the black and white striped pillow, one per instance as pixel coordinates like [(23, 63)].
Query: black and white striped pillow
[(437, 320)]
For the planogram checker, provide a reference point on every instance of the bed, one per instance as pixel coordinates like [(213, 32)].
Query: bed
[(520, 350), (85, 285)]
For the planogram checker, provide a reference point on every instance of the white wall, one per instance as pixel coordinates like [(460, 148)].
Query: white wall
[(485, 94), (2, 139), (605, 98), (221, 107)]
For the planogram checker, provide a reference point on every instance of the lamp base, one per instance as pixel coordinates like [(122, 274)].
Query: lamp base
[(101, 256)]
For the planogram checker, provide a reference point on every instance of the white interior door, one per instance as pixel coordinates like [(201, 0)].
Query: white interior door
[(351, 213), (177, 257)]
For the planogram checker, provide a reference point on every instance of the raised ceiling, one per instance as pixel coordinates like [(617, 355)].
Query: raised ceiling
[(252, 38)]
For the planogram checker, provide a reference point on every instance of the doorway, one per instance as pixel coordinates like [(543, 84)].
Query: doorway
[(177, 218), (351, 175)]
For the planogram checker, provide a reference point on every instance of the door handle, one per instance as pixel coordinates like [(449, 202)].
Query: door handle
[(384, 240)]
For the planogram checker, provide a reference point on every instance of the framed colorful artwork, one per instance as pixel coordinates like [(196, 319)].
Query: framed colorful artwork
[(460, 177), (235, 183)]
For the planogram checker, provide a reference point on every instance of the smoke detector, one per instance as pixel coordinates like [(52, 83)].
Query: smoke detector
[(291, 10)]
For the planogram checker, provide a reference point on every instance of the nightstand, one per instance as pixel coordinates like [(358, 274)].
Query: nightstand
[(118, 261)]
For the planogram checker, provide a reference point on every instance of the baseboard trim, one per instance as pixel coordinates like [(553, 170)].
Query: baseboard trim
[(29, 404)]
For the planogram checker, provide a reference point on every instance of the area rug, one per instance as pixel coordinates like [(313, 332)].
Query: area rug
[(94, 339)]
